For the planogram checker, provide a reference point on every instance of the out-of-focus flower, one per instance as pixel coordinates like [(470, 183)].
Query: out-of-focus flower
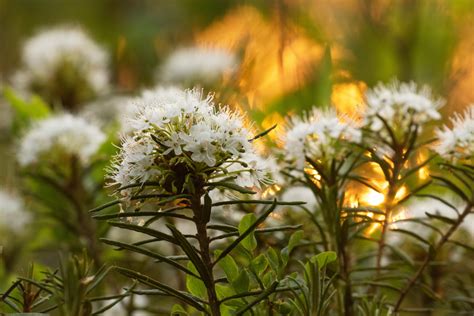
[(399, 105), (197, 65), (178, 133), (139, 303), (109, 110), (63, 134), (320, 135), (457, 143), (63, 61), (300, 193), (13, 216)]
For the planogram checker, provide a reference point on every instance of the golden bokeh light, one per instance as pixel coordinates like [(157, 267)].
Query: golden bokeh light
[(348, 98), (277, 57)]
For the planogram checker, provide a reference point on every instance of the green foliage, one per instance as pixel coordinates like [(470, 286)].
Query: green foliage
[(70, 290), (26, 111), (249, 242)]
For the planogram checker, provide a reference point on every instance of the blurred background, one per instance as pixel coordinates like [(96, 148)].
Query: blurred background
[(289, 55), (292, 52)]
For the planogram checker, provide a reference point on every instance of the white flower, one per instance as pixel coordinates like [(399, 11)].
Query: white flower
[(13, 216), (135, 164), (64, 133), (318, 135), (399, 104), (300, 193), (197, 64), (458, 142), (44, 54), (258, 170), (178, 132)]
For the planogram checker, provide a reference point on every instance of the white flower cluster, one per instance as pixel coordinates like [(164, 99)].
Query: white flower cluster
[(63, 133), (13, 216), (44, 54), (179, 132), (400, 104), (197, 64), (321, 135), (457, 143)]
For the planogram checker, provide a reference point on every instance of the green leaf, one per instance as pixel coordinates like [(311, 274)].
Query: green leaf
[(232, 186), (324, 258), (269, 278), (267, 292), (143, 230), (248, 231), (147, 253), (273, 259), (223, 291), (178, 310), (249, 242), (242, 282), (412, 234), (441, 218), (229, 266), (26, 110), (190, 251), (265, 132), (293, 242), (185, 297), (195, 285), (259, 264)]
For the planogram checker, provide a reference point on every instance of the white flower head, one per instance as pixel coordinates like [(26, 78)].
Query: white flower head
[(399, 105), (46, 53), (320, 135), (457, 143), (197, 64), (65, 134), (13, 216), (177, 133)]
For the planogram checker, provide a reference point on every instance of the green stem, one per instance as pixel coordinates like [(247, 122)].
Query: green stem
[(86, 225), (201, 221)]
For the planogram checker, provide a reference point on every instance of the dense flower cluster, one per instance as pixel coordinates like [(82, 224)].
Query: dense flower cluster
[(12, 213), (457, 143), (46, 53), (197, 63), (399, 105), (177, 133), (62, 134), (319, 135)]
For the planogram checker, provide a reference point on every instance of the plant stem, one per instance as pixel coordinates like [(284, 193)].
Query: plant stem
[(345, 264), (201, 221), (431, 255), (390, 203), (87, 227)]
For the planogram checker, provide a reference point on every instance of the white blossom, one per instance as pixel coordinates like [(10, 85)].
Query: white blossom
[(319, 135), (257, 170), (204, 64), (63, 133), (44, 54), (300, 193), (457, 142), (13, 216), (400, 104), (176, 130)]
